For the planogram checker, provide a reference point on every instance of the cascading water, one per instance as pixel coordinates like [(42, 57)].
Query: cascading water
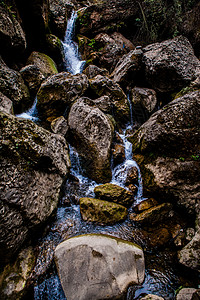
[(68, 221), (73, 62), (30, 114)]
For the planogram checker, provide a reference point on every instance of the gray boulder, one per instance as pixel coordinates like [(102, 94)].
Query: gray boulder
[(104, 104), (13, 86), (33, 77), (103, 86), (58, 92), (6, 104), (106, 267), (189, 256), (144, 102), (128, 67), (186, 294), (171, 64), (33, 165), (60, 126), (152, 297), (91, 133), (12, 36), (91, 71)]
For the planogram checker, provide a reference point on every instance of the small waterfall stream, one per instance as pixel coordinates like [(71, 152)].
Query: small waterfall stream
[(68, 222)]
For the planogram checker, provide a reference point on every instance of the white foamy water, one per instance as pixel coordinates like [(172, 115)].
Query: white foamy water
[(74, 64), (30, 114)]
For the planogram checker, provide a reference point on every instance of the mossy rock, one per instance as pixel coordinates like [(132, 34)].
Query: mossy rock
[(102, 212), (114, 193)]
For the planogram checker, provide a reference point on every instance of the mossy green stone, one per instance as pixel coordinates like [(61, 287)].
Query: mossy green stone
[(102, 212)]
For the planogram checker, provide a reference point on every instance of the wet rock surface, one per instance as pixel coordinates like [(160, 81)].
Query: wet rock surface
[(58, 92), (91, 133), (6, 104), (114, 193), (32, 175), (106, 266), (101, 212)]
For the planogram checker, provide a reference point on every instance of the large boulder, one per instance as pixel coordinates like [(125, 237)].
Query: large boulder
[(58, 92), (189, 256), (92, 71), (12, 36), (33, 165), (44, 63), (91, 133), (168, 144), (171, 64), (33, 77), (12, 85), (128, 68), (59, 12), (114, 193), (102, 86), (106, 267), (106, 16), (102, 212), (187, 294)]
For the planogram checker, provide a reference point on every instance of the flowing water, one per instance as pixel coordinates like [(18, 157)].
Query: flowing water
[(67, 223), (30, 114)]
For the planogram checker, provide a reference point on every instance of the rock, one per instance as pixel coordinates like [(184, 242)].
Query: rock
[(12, 36), (6, 104), (189, 256), (144, 103), (55, 49), (118, 154), (44, 63), (58, 92), (92, 71), (60, 10), (154, 214), (170, 65), (60, 126), (122, 41), (14, 277), (132, 176), (173, 127), (102, 212), (33, 165), (107, 266), (128, 68), (104, 104), (145, 204), (158, 238), (91, 133), (106, 16), (33, 77), (102, 85), (114, 193), (13, 86), (186, 294), (152, 297)]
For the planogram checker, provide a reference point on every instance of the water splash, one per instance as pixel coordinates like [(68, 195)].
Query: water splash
[(30, 114), (74, 64)]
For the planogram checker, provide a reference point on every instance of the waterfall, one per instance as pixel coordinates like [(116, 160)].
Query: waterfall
[(30, 114), (74, 64)]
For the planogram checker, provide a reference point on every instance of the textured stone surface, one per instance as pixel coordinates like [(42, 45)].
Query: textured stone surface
[(114, 193), (33, 77), (186, 294), (101, 212), (91, 71), (91, 133), (128, 67), (13, 86), (60, 126), (106, 266), (6, 104), (58, 92), (189, 256), (151, 297), (145, 204), (44, 63), (171, 64), (33, 165), (144, 102), (102, 86)]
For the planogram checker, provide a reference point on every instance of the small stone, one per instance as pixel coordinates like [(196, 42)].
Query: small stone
[(152, 297), (132, 176), (145, 204), (186, 294), (118, 152)]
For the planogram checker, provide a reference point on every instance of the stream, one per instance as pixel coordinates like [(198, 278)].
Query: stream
[(160, 278)]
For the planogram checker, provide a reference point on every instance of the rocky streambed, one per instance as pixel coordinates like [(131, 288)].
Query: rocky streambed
[(101, 194)]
